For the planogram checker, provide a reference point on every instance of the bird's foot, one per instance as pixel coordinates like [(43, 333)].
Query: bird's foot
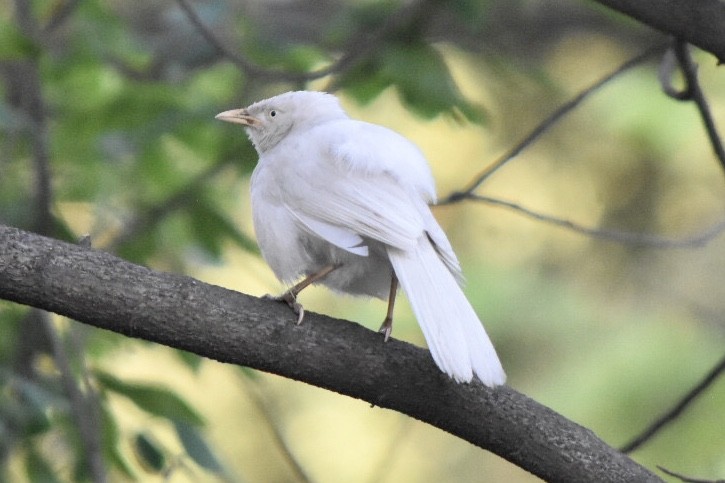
[(290, 299), (387, 328)]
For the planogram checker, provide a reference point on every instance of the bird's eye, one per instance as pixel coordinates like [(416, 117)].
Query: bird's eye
[(272, 113)]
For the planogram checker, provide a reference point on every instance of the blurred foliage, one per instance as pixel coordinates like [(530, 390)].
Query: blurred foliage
[(130, 90)]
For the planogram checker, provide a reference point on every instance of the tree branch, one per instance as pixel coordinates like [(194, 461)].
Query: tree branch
[(363, 45), (544, 126), (144, 221), (84, 406), (34, 107), (695, 240), (687, 479), (695, 94), (697, 22), (262, 408), (678, 409), (101, 290)]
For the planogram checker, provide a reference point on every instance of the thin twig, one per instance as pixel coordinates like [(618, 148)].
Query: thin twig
[(548, 123), (673, 413), (61, 14), (83, 406), (687, 479), (241, 62), (159, 212), (391, 451), (363, 45), (695, 94), (666, 74), (642, 239), (279, 441)]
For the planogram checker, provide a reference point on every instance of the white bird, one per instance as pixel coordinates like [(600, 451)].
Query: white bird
[(344, 203)]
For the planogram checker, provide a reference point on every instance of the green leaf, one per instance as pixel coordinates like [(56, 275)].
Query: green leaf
[(31, 408), (111, 446), (302, 58), (212, 228), (365, 82), (14, 45), (196, 447), (149, 454), (152, 399), (249, 373), (37, 468), (471, 13), (425, 83), (421, 76), (189, 359), (142, 247)]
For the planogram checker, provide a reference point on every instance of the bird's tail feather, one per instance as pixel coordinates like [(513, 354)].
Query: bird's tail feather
[(456, 338)]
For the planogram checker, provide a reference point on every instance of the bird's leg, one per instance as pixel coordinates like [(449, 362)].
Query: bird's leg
[(290, 296), (387, 328)]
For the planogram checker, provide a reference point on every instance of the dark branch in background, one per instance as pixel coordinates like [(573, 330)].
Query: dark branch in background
[(693, 92), (262, 408), (362, 45), (63, 11), (673, 413), (34, 107), (687, 479), (83, 406), (382, 472), (641, 239), (699, 22), (101, 290), (147, 220), (242, 63), (547, 124)]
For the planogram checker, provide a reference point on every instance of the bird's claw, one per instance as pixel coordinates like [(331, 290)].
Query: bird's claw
[(386, 329), (298, 309), (291, 300)]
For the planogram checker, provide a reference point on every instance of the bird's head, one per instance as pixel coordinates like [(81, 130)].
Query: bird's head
[(269, 121)]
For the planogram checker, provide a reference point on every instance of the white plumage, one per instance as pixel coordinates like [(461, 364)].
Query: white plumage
[(349, 200)]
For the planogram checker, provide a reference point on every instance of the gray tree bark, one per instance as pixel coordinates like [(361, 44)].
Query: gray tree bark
[(99, 289)]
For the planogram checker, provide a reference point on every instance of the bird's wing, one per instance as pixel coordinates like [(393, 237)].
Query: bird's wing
[(360, 180), (372, 207), (339, 236)]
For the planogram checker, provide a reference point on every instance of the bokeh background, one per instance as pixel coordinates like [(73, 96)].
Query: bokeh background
[(107, 128)]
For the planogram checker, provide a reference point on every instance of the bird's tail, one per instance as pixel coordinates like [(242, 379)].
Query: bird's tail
[(456, 338)]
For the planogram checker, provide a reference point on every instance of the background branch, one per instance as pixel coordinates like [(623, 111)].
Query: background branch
[(144, 221), (687, 479), (673, 413), (641, 239), (83, 406), (261, 405), (698, 23), (362, 45), (28, 73), (548, 123), (694, 93), (101, 290)]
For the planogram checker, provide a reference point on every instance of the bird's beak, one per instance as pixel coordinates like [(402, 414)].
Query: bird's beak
[(238, 116)]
